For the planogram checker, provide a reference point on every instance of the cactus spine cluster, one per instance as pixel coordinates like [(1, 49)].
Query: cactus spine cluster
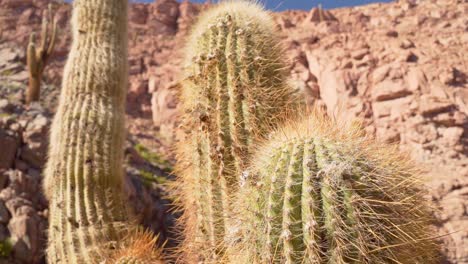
[(89, 221), (37, 57), (235, 88), (319, 192)]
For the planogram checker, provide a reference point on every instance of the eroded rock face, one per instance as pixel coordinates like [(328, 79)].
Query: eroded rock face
[(400, 66), (23, 216)]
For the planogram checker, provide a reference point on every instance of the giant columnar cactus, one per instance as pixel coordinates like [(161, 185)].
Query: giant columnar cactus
[(37, 58), (89, 221), (319, 192), (235, 88)]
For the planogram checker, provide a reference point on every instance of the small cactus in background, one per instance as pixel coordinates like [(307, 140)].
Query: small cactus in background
[(37, 57), (320, 192), (235, 89), (88, 217)]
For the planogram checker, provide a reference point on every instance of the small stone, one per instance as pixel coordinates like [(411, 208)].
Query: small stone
[(4, 215), (392, 34), (388, 90), (285, 23), (422, 133), (452, 135), (406, 44), (34, 174), (416, 79), (389, 135), (410, 57), (445, 119), (4, 234), (21, 165), (9, 146), (34, 150), (7, 194), (27, 238), (3, 179), (15, 203), (380, 73), (6, 106), (392, 108), (152, 84), (9, 54), (359, 54), (429, 105), (437, 90)]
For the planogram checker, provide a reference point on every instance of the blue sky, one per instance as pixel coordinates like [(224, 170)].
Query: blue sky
[(279, 5)]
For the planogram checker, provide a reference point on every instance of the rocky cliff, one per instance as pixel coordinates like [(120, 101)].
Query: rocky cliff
[(402, 67)]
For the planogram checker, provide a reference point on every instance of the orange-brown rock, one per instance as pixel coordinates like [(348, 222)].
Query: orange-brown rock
[(402, 66)]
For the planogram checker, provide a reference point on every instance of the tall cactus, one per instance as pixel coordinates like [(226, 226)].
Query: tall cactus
[(89, 221), (37, 57), (319, 192), (235, 88)]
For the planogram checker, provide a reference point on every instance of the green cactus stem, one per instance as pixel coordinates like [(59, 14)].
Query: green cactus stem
[(320, 192), (37, 58), (88, 219), (235, 89)]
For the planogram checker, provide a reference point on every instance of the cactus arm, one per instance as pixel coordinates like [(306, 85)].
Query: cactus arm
[(52, 39), (44, 33), (34, 71), (31, 55)]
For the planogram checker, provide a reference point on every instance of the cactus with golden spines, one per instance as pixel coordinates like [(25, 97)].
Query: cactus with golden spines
[(314, 192), (88, 217), (37, 58), (320, 192), (235, 88)]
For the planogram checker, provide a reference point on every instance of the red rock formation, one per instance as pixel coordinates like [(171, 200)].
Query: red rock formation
[(401, 66)]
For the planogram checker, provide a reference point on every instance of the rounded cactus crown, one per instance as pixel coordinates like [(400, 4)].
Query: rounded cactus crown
[(321, 192)]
